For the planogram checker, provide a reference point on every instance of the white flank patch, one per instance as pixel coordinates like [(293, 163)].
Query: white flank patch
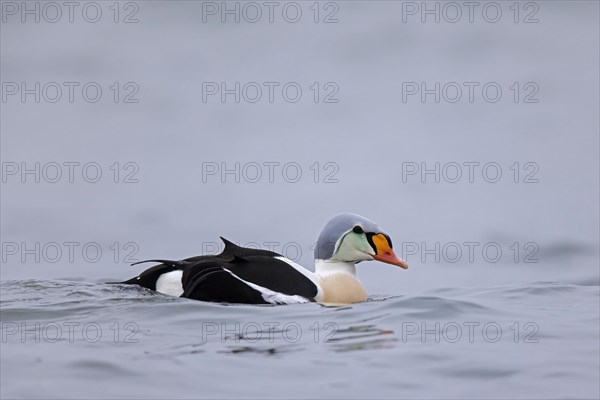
[(270, 296), (170, 283)]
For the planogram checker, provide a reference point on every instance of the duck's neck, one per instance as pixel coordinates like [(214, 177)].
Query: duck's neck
[(324, 267)]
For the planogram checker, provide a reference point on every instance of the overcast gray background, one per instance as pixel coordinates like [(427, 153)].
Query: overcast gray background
[(369, 133)]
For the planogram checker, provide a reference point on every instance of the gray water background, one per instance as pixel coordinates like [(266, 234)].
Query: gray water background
[(172, 212)]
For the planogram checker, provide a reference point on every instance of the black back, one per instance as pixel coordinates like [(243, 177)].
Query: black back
[(205, 277)]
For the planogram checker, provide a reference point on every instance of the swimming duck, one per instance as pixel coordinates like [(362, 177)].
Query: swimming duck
[(254, 276)]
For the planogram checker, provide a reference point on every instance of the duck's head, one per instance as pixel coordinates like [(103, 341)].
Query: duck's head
[(352, 238)]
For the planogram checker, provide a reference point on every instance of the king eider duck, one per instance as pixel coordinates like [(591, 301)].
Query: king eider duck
[(253, 276)]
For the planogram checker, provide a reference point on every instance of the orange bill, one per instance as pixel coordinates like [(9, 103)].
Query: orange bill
[(385, 253)]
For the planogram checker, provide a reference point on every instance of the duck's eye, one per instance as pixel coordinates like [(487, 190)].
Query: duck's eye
[(357, 229)]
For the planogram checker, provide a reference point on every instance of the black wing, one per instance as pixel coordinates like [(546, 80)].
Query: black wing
[(217, 285)]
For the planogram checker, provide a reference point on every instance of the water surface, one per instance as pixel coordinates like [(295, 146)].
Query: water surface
[(105, 341)]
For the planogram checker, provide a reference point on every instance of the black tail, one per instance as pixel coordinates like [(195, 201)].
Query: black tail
[(170, 263), (131, 281)]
